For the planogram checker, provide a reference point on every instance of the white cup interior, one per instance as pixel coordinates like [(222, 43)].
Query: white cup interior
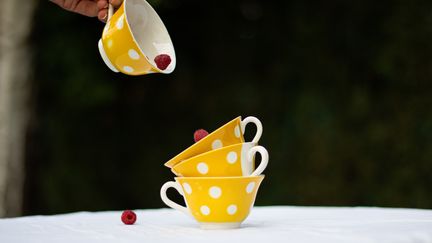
[(149, 32)]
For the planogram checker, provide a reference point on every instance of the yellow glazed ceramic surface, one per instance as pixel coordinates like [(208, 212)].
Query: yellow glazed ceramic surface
[(233, 160), (228, 134), (215, 202), (133, 37)]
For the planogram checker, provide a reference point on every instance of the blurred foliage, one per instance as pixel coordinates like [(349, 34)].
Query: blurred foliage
[(343, 90)]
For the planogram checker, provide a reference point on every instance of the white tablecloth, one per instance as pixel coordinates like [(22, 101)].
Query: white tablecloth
[(264, 225)]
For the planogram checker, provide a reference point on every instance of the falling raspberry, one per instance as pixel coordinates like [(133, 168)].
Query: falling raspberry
[(162, 61), (200, 134), (128, 217)]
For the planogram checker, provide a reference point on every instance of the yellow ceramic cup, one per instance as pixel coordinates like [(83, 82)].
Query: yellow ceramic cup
[(228, 134), (233, 160), (133, 37), (215, 202)]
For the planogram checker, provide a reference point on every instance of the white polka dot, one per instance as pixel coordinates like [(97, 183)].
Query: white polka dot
[(109, 43), (250, 187), (232, 209), (202, 168), (119, 23), (215, 192), (133, 54), (187, 188), (205, 210), (217, 144), (128, 69), (237, 131), (231, 157)]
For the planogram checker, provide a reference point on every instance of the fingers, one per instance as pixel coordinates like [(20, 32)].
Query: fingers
[(116, 3), (103, 15), (90, 8), (85, 7), (102, 6)]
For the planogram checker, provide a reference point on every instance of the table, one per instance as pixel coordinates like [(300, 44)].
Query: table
[(265, 224)]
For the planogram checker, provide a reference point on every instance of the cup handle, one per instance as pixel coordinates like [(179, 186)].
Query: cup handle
[(257, 123), (168, 201), (264, 159), (110, 12), (100, 44)]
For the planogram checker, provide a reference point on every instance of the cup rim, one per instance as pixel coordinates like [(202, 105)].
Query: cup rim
[(156, 15), (261, 176), (196, 144)]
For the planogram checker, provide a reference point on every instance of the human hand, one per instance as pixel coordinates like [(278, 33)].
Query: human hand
[(91, 8)]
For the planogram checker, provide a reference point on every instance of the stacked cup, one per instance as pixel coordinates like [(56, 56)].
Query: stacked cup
[(217, 176)]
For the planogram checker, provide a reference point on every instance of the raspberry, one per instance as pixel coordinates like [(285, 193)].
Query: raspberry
[(200, 134), (162, 61), (128, 217)]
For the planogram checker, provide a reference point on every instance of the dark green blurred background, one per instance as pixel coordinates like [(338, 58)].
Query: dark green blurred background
[(343, 90)]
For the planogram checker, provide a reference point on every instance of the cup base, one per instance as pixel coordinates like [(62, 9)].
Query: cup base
[(105, 57), (216, 226)]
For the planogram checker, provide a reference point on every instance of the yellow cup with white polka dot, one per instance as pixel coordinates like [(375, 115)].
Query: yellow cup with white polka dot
[(133, 36), (229, 134), (215, 202), (233, 160)]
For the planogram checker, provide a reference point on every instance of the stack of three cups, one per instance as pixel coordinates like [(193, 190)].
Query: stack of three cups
[(217, 176)]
